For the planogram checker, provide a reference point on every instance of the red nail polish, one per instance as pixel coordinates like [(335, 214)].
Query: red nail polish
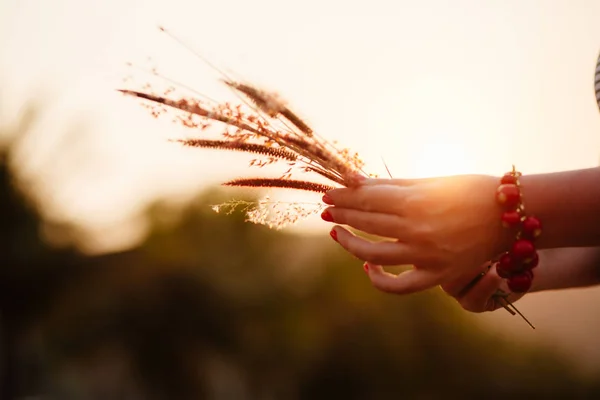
[(327, 199), (333, 234), (366, 267), (326, 216)]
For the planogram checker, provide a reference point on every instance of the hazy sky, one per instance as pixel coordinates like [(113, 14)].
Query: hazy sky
[(435, 87)]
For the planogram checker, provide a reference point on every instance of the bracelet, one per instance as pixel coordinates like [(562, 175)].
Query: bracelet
[(516, 265)]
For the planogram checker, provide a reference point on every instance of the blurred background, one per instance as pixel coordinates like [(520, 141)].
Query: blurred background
[(119, 282)]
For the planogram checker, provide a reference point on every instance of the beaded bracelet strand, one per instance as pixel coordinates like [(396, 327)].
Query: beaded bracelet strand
[(517, 264)]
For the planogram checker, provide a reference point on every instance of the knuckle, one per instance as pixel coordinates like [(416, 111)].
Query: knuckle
[(387, 259), (354, 246), (339, 215), (396, 227), (423, 233), (409, 204), (373, 255), (364, 201), (362, 250), (360, 220), (342, 197), (353, 218)]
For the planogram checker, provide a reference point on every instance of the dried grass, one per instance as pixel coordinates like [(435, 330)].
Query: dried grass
[(263, 125)]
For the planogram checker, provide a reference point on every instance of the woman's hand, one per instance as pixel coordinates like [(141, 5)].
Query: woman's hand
[(560, 268), (445, 227)]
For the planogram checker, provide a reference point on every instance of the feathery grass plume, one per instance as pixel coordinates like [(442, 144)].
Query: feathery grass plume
[(195, 107), (274, 214), (271, 104), (311, 151), (274, 152), (280, 183)]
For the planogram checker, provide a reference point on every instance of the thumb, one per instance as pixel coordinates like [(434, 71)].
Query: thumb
[(411, 281)]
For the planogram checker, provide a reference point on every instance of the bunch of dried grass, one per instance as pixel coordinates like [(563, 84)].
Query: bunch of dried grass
[(261, 124)]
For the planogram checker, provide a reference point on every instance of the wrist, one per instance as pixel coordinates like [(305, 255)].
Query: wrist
[(567, 203), (564, 268), (500, 239), (516, 264)]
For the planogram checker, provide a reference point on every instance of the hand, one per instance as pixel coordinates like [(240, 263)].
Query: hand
[(478, 293), (445, 227)]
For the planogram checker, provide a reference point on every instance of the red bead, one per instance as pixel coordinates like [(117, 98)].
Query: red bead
[(532, 227), (532, 262), (523, 249), (511, 218), (509, 263), (506, 266), (508, 195), (503, 273), (520, 283), (509, 179)]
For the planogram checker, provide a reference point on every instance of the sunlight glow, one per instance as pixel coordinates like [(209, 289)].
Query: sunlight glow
[(442, 157)]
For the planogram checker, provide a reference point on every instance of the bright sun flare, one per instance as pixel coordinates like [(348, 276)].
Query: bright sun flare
[(442, 158)]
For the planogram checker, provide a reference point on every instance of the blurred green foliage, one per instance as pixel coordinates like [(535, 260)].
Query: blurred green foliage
[(211, 307)]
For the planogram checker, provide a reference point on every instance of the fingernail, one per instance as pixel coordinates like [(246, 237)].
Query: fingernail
[(326, 216), (333, 234), (366, 267), (327, 199)]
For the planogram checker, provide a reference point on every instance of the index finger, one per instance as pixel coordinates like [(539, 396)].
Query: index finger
[(393, 181), (370, 198)]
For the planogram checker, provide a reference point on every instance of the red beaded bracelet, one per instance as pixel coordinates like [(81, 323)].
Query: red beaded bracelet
[(516, 265)]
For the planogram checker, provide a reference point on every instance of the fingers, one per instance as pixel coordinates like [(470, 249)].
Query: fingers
[(411, 281), (383, 253), (394, 181), (370, 198), (479, 296), (385, 225)]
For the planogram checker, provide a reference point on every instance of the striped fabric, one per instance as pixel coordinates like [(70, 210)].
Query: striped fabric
[(597, 81)]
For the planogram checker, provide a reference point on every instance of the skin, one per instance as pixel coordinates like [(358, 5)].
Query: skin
[(448, 228)]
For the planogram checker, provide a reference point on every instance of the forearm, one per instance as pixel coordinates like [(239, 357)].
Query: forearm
[(567, 268), (568, 204)]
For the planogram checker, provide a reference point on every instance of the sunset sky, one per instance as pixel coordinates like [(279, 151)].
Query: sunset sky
[(433, 87)]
